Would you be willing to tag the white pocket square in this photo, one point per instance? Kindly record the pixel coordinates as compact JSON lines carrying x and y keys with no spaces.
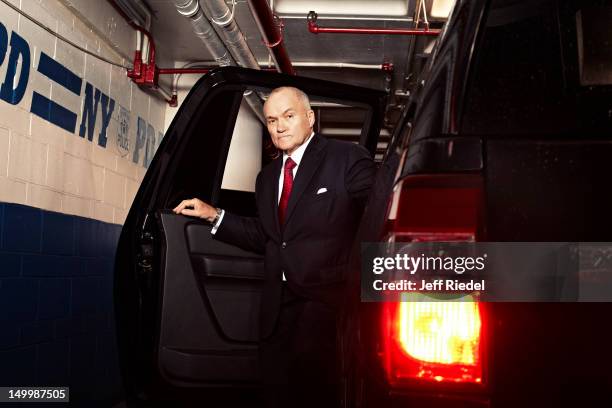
{"x":321,"y":190}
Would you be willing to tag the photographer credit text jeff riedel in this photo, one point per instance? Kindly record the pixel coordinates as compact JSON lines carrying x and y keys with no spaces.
{"x":403,"y":263}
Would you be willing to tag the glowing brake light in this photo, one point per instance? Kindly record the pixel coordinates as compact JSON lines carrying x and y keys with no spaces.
{"x":440,"y":332}
{"x":425,"y":340}
{"x":437,"y":341}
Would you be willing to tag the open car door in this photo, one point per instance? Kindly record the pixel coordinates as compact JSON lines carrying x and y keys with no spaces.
{"x":186,"y":305}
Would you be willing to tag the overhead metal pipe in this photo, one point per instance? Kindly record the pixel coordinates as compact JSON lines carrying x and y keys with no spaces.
{"x":170,"y":71}
{"x":271,"y":34}
{"x":204,"y":31}
{"x":166,"y":71}
{"x":204,"y":70}
{"x":223,"y":18}
{"x":233,"y":39}
{"x":233,"y":49}
{"x":336,"y":65}
{"x":315,"y":29}
{"x":385,"y":66}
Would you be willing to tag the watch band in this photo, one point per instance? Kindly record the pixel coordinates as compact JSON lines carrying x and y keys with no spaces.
{"x":216,"y":219}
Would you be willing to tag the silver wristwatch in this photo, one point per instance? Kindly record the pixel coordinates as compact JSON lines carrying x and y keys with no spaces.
{"x":216,"y":219}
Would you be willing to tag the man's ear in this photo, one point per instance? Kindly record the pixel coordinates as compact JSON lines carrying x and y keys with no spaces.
{"x":311,"y":117}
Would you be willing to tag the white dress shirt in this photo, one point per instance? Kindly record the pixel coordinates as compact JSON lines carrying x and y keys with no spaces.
{"x":296,"y":156}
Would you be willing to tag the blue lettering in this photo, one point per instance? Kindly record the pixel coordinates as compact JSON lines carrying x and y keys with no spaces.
{"x":19,"y":47}
{"x":141,"y":134}
{"x":107,"y":111}
{"x":59,"y":74}
{"x":3,"y":42}
{"x":150,"y":148}
{"x":51,"y":110}
{"x":90,"y":111}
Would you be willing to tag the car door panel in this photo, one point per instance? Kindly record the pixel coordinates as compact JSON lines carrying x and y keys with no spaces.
{"x":197,"y":298}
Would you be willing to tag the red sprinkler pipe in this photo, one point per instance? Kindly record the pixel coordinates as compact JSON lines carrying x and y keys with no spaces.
{"x":264,"y":17}
{"x":144,"y":74}
{"x":315,"y":29}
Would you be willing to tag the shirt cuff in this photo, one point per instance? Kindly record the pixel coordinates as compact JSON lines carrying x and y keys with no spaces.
{"x":218,"y":223}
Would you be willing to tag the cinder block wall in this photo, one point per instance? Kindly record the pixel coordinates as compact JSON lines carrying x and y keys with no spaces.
{"x":76,"y":137}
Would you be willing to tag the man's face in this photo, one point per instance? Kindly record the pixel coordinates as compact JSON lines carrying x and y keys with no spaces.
{"x":288,"y":120}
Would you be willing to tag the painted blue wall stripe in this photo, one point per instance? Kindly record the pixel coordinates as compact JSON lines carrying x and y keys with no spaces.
{"x":57,"y":323}
{"x":59,"y":73}
{"x":53,"y":112}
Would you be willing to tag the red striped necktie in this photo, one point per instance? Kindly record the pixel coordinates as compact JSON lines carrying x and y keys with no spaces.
{"x":287,"y":186}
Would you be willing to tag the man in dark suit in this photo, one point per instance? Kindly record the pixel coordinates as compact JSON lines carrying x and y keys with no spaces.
{"x":309,"y":201}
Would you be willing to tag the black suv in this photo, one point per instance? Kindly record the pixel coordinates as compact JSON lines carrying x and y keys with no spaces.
{"x":505,"y":138}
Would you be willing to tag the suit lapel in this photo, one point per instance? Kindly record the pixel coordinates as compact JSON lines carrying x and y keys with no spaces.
{"x":309,"y":164}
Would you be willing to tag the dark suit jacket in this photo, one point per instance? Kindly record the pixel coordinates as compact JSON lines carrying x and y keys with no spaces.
{"x":313,"y":246}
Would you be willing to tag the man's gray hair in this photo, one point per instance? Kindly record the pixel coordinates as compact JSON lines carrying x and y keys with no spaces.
{"x":298,"y":92}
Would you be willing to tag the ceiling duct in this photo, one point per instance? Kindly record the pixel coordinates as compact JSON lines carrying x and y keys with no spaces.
{"x":204,"y":31}
{"x":231,"y":40}
{"x":223,"y":19}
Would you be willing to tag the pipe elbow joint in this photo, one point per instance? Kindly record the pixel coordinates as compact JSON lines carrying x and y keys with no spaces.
{"x":187,"y":8}
{"x":312,"y":22}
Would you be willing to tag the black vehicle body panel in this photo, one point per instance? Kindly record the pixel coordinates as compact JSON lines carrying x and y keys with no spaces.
{"x":504,"y":87}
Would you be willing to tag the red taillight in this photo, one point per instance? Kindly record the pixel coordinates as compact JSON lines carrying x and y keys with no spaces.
{"x":435,"y":341}
{"x":436,"y":208}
